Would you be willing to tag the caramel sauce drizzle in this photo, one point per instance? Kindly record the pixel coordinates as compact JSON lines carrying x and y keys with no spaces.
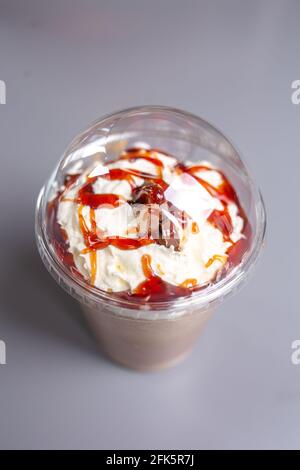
{"x":195,"y":228}
{"x":146,"y":266}
{"x":153,"y":288}
{"x":146,"y":154}
{"x":224,"y":193}
{"x":57,"y":234}
{"x":87,"y":197}
{"x":120,"y":174}
{"x":221,"y":258}
{"x":87,"y":236}
{"x":188,"y":283}
{"x":123,"y":243}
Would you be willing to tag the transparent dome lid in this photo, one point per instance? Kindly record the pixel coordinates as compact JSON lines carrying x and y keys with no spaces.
{"x":194,"y":217}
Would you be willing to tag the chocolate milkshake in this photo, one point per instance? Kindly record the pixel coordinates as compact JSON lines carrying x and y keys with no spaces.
{"x":146,"y":229}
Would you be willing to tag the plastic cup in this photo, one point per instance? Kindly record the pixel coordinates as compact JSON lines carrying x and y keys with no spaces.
{"x":151,"y":335}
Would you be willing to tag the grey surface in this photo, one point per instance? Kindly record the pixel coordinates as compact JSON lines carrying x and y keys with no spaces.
{"x":66,"y":63}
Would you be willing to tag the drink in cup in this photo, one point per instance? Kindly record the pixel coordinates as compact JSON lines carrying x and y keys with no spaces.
{"x":149,"y":220}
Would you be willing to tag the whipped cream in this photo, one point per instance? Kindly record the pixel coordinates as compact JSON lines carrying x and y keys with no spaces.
{"x":201,"y":251}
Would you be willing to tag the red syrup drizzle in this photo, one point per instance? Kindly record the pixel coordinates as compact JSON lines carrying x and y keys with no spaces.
{"x":221,"y":219}
{"x":133,"y":154}
{"x":87,"y":197}
{"x":128,"y":174}
{"x":58,"y":236}
{"x":153,"y":288}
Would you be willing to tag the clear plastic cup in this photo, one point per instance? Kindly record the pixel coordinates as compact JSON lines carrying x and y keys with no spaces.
{"x":155,"y":334}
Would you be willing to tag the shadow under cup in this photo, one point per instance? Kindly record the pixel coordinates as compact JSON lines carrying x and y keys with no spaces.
{"x":155,"y":334}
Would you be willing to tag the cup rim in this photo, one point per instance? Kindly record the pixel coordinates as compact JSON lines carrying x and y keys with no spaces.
{"x":203,"y":298}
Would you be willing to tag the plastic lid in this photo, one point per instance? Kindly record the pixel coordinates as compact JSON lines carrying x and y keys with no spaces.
{"x":190,"y":198}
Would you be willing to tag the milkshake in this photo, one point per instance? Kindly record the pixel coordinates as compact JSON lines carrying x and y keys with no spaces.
{"x":150,"y":220}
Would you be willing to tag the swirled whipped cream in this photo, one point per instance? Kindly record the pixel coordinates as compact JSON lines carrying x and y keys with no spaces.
{"x":147,"y":217}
